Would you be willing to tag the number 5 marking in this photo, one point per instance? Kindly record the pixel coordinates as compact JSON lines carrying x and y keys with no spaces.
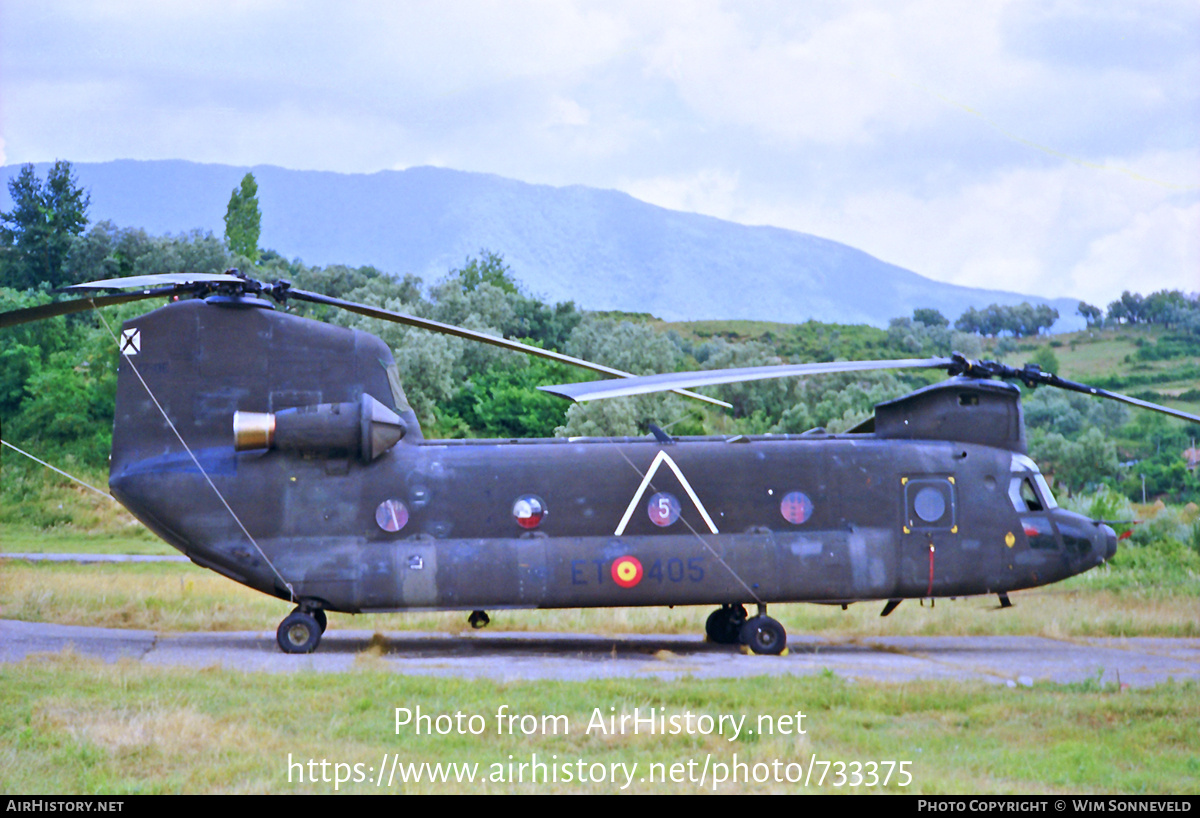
{"x":637,"y":497}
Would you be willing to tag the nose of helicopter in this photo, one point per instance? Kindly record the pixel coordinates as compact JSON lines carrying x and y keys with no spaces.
{"x":1110,"y":537}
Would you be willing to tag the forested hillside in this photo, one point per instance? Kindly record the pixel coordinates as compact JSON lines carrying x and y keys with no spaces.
{"x":57,"y":377}
{"x":603,"y":249}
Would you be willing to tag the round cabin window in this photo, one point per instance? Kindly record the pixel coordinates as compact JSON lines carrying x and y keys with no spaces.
{"x":391,"y":515}
{"x":663,"y":509}
{"x":929,"y":504}
{"x":795,"y":507}
{"x":529,"y":511}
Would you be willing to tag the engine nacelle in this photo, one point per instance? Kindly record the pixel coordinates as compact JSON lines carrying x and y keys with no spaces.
{"x":364,"y":429}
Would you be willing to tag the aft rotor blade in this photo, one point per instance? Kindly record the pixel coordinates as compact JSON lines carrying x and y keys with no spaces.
{"x":151,"y":286}
{"x":56,"y":308}
{"x":594,"y":390}
{"x":158,"y":280}
{"x":471,"y":335}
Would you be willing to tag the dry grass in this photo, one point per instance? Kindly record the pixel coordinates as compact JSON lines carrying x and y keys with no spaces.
{"x":171,"y":597}
{"x":173,"y":731}
{"x":1152,"y":590}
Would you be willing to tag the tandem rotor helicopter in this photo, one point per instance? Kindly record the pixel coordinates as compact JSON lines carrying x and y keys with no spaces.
{"x":281,"y":453}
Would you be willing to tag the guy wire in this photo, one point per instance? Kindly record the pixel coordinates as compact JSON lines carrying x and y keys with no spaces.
{"x":695,"y":533}
{"x":221,"y":497}
{"x":60,"y":471}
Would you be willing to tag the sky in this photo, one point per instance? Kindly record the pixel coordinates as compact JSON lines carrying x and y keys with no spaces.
{"x":1051,"y":148}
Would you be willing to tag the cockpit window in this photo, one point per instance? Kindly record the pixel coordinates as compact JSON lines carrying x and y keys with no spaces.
{"x":1044,"y":491}
{"x":1030,"y":492}
{"x":1017,"y":492}
{"x":1021,"y":462}
{"x":398,"y":397}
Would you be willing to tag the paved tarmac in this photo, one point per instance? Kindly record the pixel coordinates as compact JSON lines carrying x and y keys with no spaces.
{"x":1011,"y":660}
{"x":89,"y":558}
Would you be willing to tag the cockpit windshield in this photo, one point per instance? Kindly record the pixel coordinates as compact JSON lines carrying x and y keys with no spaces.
{"x":1028,"y":489}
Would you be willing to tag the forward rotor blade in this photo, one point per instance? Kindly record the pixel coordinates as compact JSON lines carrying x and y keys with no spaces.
{"x":42,"y":311}
{"x":471,"y":335}
{"x":1053,"y":380}
{"x":1032,"y":376}
{"x":594,"y":390}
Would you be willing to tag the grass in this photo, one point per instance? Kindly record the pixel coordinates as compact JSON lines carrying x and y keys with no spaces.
{"x":71,"y":725}
{"x":66,"y":539}
{"x":1151,"y":589}
{"x":42,"y":512}
{"x":808,"y":341}
{"x":1100,"y":356}
{"x":1087,"y":356}
{"x":174,"y":597}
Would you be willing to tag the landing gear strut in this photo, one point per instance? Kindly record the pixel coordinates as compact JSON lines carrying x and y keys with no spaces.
{"x":724,"y":625}
{"x":728,"y":625}
{"x":300,"y":631}
{"x":764,"y":635}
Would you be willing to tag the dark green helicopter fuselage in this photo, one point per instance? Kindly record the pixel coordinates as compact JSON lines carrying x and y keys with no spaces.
{"x":934,"y":498}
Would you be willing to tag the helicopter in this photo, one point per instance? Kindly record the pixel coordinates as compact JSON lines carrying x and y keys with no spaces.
{"x":281,"y":453}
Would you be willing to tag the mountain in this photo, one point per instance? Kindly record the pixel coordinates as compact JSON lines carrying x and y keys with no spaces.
{"x":601,"y":248}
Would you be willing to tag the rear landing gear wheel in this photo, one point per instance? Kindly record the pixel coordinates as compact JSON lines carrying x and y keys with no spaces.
{"x":724,"y":625}
{"x":322,"y":620}
{"x":478,"y":619}
{"x":764,"y":635}
{"x":299,"y":632}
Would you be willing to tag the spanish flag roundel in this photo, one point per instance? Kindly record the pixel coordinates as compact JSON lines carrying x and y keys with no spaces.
{"x":627,"y":571}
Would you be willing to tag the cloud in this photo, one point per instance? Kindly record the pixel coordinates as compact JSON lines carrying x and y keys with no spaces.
{"x":1009,"y":144}
{"x":710,"y":191}
{"x":567,"y":112}
{"x":1065,"y":230}
{"x":1161,"y":246}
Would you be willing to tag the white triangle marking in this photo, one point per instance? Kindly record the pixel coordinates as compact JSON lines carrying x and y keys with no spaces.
{"x":658,"y":460}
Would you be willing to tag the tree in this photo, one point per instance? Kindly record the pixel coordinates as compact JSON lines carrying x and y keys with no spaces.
{"x":969,"y":321}
{"x":1126,"y":311}
{"x":1046,"y":359}
{"x":38,"y":231}
{"x":1092,"y":315}
{"x":1091,"y":458}
{"x":488,"y":268}
{"x":930,"y":317}
{"x":243,"y":221}
{"x":1164,"y":307}
{"x":1020,"y":320}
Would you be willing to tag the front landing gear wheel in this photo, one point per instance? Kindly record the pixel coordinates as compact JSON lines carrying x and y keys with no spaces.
{"x":724,"y":625}
{"x":478,"y":619}
{"x":299,"y":632}
{"x":764,"y":635}
{"x":322,"y":620}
